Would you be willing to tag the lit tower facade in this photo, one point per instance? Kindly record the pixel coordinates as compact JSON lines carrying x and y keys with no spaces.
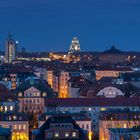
{"x":10,"y":49}
{"x":75,"y":46}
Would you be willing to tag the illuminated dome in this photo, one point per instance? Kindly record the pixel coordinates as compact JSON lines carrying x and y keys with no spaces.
{"x":110,"y":92}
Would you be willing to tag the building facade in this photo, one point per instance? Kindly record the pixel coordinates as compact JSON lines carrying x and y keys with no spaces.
{"x":10,"y":49}
{"x":17,"y":123}
{"x":111,"y":120}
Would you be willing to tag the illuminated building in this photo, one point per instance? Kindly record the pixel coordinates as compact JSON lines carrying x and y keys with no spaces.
{"x":49,"y":77}
{"x":125,"y":133}
{"x":92,"y":107}
{"x":112,"y":120}
{"x":8,"y":107}
{"x":55,"y":84}
{"x":75,"y":46}
{"x":12,"y":76}
{"x":10,"y":49}
{"x":59,"y":127}
{"x":63,"y":82}
{"x":83,"y":121}
{"x":104,"y":71}
{"x":18,"y":124}
{"x":31,"y":95}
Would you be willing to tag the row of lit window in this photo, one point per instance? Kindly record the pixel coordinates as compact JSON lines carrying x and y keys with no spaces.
{"x":33,"y":107}
{"x":14,"y":118}
{"x":125,"y":117}
{"x":57,"y":135}
{"x":32,"y":94}
{"x":120,"y":125}
{"x":6,"y":108}
{"x":33,"y":101}
{"x":23,"y":127}
{"x":83,"y":109}
{"x":84,"y":126}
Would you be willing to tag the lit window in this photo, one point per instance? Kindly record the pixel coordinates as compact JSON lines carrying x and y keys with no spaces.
{"x":15,"y":126}
{"x":66,"y":134}
{"x":44,"y":94}
{"x":5,"y":108}
{"x":20,"y":94}
{"x":10,"y":118}
{"x":56,"y":134}
{"x":11,"y":108}
{"x":19,"y":127}
{"x":1,"y":108}
{"x":73,"y":134}
{"x":89,"y":109}
{"x":124,"y":125}
{"x":103,"y":109}
{"x":37,"y":94}
{"x":24,"y":127}
{"x":14,"y":117}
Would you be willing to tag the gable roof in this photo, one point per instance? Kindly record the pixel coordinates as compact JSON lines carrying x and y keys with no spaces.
{"x":41,"y":85}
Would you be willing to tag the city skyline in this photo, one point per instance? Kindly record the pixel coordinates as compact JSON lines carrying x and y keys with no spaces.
{"x":51,"y":25}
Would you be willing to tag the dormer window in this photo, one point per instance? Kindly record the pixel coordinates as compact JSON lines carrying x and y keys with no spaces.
{"x":44,"y":94}
{"x":56,"y":134}
{"x":20,"y":94}
{"x":37,"y":94}
{"x":14,"y":117}
{"x":67,"y":134}
{"x":73,"y":134}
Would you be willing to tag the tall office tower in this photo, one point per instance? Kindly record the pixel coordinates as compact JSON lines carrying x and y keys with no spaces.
{"x":10,"y":49}
{"x":75,"y":46}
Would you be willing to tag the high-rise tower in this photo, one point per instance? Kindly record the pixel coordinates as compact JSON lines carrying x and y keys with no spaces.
{"x":75,"y":46}
{"x":10,"y":49}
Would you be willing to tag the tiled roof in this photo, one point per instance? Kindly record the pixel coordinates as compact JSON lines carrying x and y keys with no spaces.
{"x":41,"y":85}
{"x":112,"y":68}
{"x":5,"y":94}
{"x":88,"y":102}
{"x":121,"y":115}
{"x":59,"y":119}
{"x":79,"y":81}
{"x":125,"y":130}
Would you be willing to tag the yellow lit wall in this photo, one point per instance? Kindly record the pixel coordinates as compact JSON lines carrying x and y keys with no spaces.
{"x":63,"y":84}
{"x":49,"y":77}
{"x":19,"y":136}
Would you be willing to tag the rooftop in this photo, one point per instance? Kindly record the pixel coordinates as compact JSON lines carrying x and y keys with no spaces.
{"x":120,"y":116}
{"x":125,"y":130}
{"x":87,"y":102}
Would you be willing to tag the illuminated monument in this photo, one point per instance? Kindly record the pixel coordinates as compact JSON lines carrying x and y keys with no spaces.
{"x":75,"y":46}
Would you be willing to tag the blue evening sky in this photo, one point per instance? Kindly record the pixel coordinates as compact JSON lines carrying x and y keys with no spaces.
{"x":49,"y":25}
